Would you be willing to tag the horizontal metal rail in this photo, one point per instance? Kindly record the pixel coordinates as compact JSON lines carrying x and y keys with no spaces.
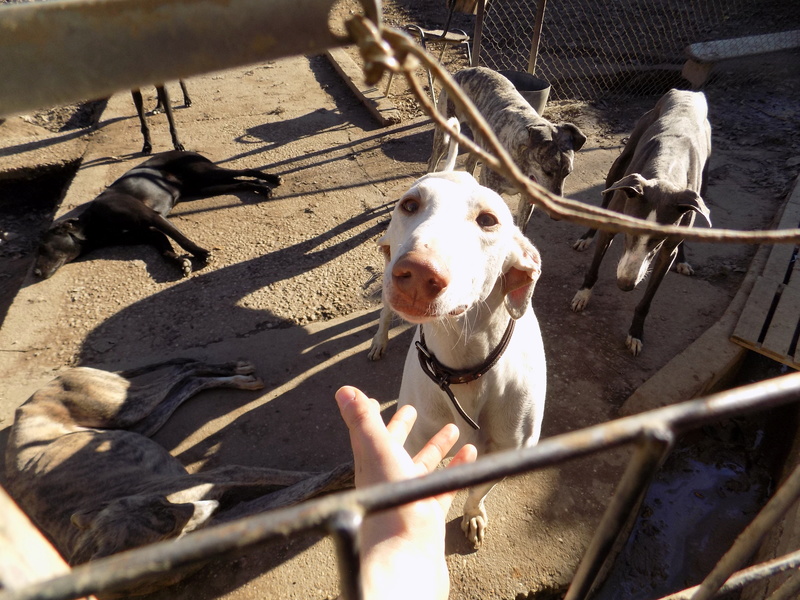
{"x":342,"y":512}
{"x":64,"y":51}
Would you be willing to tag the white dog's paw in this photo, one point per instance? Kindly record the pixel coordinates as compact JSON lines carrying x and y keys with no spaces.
{"x":582,"y":244}
{"x":684,"y":268}
{"x":634,"y":345}
{"x":473,"y":524}
{"x":376,"y":350}
{"x":581,"y":299}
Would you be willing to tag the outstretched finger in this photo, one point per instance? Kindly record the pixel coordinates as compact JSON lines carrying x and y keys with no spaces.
{"x":466,"y":455}
{"x":437,"y":447}
{"x":361,"y":414}
{"x":401,"y":423}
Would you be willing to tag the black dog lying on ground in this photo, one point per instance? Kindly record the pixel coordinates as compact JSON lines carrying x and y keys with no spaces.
{"x":133,"y":209}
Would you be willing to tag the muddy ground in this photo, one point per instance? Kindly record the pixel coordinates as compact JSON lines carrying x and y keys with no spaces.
{"x":295,"y":288}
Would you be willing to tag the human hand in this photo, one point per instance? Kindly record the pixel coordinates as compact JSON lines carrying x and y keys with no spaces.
{"x":402,"y":550}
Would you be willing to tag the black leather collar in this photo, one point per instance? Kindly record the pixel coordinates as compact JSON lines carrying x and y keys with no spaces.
{"x":444,"y":376}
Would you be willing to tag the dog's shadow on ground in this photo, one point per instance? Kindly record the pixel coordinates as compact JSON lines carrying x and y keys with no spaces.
{"x":292,"y":424}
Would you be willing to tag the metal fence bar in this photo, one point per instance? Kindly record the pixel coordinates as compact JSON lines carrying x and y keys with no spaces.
{"x":59,"y":52}
{"x":344,"y":526}
{"x":621,"y":511}
{"x":116,"y":571}
{"x":747,"y":576}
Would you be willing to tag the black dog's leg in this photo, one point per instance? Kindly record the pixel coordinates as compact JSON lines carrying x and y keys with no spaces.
{"x":160,"y":242}
{"x":147,"y":148}
{"x":187,"y":102}
{"x":237,"y":186}
{"x":208,"y":179}
{"x":662,"y":264}
{"x":164,"y":226}
{"x":268,"y":177}
{"x":163,"y":97}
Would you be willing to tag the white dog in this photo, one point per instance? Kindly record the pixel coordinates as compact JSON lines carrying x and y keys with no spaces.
{"x":458,"y":266}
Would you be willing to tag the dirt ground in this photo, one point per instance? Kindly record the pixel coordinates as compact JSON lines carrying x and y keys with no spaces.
{"x":295,"y":288}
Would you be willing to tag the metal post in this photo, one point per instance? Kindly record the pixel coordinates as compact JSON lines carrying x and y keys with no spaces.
{"x":477,"y":36}
{"x":537,"y":36}
{"x":59,"y":52}
{"x":617,"y":521}
{"x":344,"y":526}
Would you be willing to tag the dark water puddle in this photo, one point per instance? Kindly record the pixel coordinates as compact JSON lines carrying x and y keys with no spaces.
{"x":710,"y":487}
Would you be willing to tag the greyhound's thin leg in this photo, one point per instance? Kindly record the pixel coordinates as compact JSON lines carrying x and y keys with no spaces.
{"x":583,"y":242}
{"x":185,"y":388}
{"x":187,"y":101}
{"x":662,"y":264}
{"x":334,"y":479}
{"x":581,"y":298}
{"x":147,"y":148}
{"x":163,"y":96}
{"x":524,"y":212}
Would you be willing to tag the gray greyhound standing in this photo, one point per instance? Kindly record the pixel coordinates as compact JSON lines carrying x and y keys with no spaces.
{"x":660,"y":176}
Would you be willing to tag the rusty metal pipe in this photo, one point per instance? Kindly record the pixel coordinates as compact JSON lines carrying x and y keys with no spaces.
{"x":620,"y":514}
{"x":740,"y":579}
{"x":71,"y":50}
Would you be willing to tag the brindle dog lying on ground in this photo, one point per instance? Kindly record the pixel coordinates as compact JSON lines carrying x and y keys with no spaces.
{"x":80,"y":462}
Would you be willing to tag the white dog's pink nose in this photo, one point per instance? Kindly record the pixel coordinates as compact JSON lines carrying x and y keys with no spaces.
{"x":419,"y":280}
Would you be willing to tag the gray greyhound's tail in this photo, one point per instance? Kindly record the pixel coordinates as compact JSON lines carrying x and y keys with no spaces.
{"x":452,"y":144}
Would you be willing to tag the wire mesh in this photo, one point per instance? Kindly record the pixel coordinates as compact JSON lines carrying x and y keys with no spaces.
{"x":620,"y":47}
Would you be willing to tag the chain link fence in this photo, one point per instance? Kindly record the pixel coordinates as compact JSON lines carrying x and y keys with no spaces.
{"x":603,"y":48}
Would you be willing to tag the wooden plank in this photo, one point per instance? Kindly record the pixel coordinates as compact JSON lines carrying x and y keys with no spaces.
{"x":778,"y":262}
{"x":370,"y":96}
{"x":751,"y":322}
{"x":783,"y":325}
{"x":781,"y":255}
{"x":743,"y":46}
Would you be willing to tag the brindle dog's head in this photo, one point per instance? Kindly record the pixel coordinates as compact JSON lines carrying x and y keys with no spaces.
{"x":548,"y":154}
{"x":134,"y":521}
{"x":544,"y":152}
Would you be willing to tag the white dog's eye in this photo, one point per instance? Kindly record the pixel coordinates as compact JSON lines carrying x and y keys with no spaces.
{"x":486,"y":220}
{"x":410,"y":205}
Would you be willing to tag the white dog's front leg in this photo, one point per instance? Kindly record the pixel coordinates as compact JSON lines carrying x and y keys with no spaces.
{"x":381,"y":339}
{"x":475,"y":519}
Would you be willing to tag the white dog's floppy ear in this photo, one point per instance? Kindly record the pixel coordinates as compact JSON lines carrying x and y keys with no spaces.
{"x":525,"y":266}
